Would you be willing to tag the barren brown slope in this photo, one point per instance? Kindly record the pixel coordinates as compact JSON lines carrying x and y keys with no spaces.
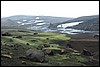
{"x":87,"y":41}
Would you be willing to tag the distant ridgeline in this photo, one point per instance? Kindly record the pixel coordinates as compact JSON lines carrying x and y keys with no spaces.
{"x":23,"y":21}
{"x":89,"y":23}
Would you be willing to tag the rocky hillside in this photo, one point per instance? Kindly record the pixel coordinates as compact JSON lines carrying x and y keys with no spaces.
{"x":90,"y":23}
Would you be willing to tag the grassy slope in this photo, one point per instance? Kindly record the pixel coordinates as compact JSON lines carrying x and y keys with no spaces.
{"x":61,"y":60}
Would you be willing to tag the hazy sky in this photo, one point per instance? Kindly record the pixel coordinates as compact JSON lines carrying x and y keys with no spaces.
{"x":50,"y":8}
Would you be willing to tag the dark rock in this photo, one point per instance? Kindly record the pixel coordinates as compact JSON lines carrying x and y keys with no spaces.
{"x":87,"y":53}
{"x":27,"y":44}
{"x":56,"y":51}
{"x":35,"y":33}
{"x":96,"y":36}
{"x":17,"y":37}
{"x":35,"y":55}
{"x":69,"y":45}
{"x":47,"y":38}
{"x":33,"y":40}
{"x":6,"y":34}
{"x":51,"y":51}
{"x":40,"y":47}
{"x":46,"y":45}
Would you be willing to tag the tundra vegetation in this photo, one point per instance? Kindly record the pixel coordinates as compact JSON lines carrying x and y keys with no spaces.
{"x":36,"y":48}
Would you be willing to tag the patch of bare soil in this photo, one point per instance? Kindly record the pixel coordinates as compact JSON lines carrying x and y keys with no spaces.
{"x":86,"y":41}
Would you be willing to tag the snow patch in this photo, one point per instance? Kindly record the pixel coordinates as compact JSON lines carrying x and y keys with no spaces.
{"x":22,"y":24}
{"x":69,"y":24}
{"x":24,"y":20}
{"x":38,"y":21}
{"x":37,"y":18}
{"x":19,"y":22}
{"x":40,"y":24}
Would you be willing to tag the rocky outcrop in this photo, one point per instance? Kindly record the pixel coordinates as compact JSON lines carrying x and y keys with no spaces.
{"x":6,"y":34}
{"x":35,"y":55}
